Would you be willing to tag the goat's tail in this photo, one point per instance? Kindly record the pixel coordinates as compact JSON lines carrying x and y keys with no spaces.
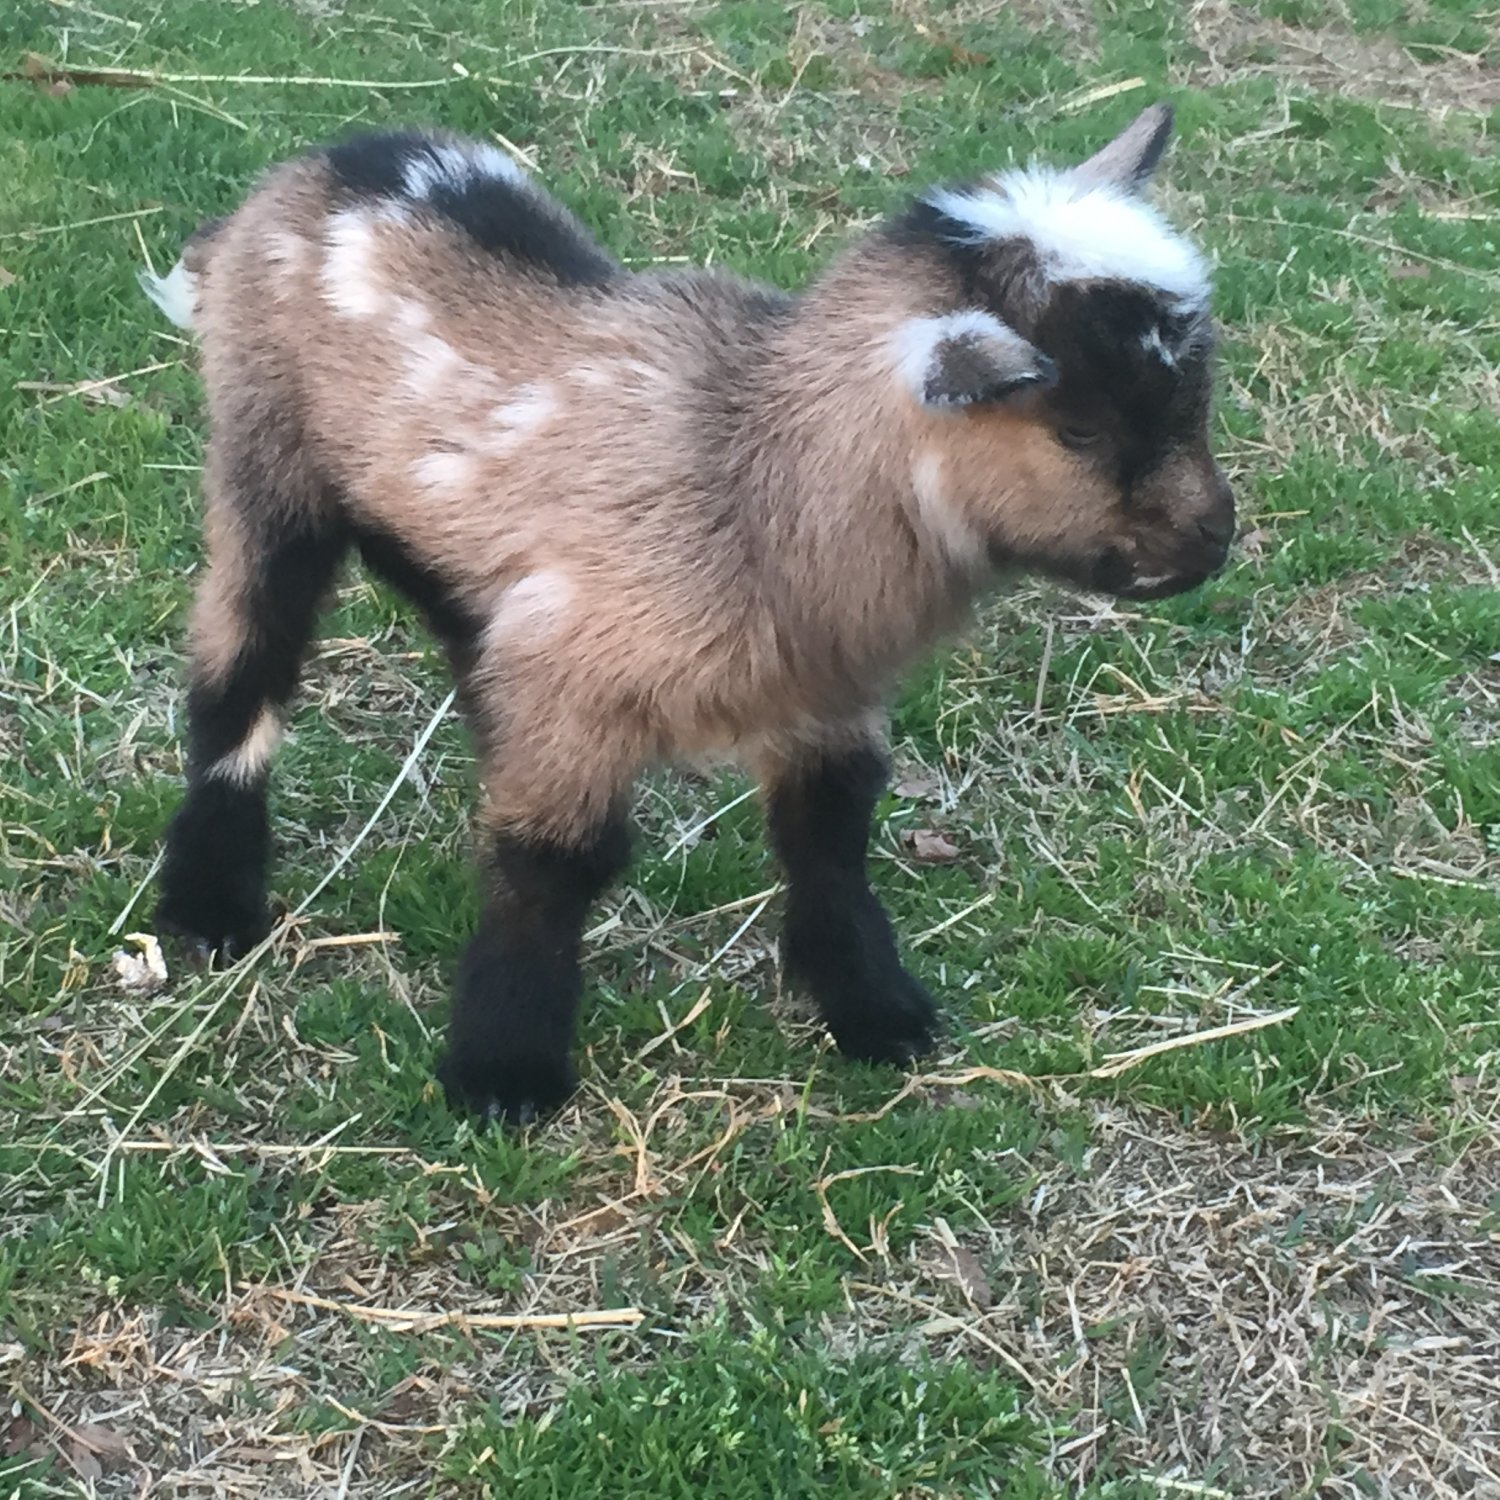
{"x":176,"y":293}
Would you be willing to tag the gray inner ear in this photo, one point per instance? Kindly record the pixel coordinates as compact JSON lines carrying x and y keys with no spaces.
{"x":965,"y":371}
{"x":1130,"y":159}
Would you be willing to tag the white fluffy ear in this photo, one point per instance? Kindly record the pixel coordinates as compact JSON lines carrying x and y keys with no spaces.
{"x":1129,"y":160}
{"x":963,"y":358}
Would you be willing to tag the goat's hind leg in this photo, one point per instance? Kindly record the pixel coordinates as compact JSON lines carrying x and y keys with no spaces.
{"x":252,"y":620}
{"x":837,"y":940}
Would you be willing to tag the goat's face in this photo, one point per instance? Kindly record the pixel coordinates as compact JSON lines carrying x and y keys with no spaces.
{"x":1066,"y":399}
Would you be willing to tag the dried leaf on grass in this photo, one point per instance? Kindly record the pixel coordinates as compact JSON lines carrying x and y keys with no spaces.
{"x":929,"y":847}
{"x":916,"y":783}
{"x":19,"y":1435}
{"x":963,"y":1267}
{"x":106,"y":1442}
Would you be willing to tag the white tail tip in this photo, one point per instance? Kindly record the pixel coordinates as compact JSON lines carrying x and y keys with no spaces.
{"x":176,"y":293}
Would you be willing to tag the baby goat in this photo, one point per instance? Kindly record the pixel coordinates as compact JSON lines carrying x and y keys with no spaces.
{"x":664,"y":515}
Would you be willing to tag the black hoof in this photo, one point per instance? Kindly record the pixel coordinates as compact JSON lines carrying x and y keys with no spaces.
{"x":213,"y":879}
{"x":212,"y":925}
{"x":898,"y":1027}
{"x":509,"y":1091}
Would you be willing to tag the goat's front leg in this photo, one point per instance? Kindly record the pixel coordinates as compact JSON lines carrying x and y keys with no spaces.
{"x":556,"y":834}
{"x":837,"y":941}
{"x":510,"y":1033}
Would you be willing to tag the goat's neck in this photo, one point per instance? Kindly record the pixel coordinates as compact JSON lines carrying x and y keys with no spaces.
{"x":866,"y":581}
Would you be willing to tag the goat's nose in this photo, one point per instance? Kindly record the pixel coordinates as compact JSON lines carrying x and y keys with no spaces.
{"x":1217,"y":523}
{"x":1217,"y":529}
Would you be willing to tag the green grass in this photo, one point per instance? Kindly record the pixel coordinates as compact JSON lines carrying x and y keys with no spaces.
{"x":1281,"y":792}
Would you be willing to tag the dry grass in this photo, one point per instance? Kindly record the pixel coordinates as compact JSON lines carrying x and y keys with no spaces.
{"x":1309,"y":1316}
{"x":1213,"y":1304}
{"x":1238,"y":43}
{"x":1313,"y":1317}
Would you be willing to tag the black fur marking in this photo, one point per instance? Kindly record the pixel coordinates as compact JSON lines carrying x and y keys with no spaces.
{"x":1110,"y":381}
{"x":218,"y":845}
{"x":520,"y":224}
{"x":282,"y":609}
{"x":925,"y":226}
{"x":837,"y":939}
{"x":213,"y":878}
{"x":504,"y":218}
{"x":450,"y":619}
{"x":374,"y":165}
{"x":511,"y":1028}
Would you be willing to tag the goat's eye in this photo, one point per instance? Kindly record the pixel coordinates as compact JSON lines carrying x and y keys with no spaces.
{"x":1071,"y":436}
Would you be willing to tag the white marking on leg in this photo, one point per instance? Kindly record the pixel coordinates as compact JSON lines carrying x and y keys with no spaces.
{"x":248,"y":760}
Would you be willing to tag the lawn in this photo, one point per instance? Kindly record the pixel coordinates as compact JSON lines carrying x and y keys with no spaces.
{"x":246,"y":1249}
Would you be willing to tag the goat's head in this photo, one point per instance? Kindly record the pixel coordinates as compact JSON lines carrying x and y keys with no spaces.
{"x":1063,"y":376}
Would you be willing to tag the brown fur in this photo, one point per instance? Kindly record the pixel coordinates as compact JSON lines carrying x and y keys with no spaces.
{"x":695,"y":622}
{"x":674,"y":515}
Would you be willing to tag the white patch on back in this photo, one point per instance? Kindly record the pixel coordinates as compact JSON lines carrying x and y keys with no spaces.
{"x":431,"y":364}
{"x":249,"y":759}
{"x":444,"y":471}
{"x":619,"y":375}
{"x":412,"y":316}
{"x":350,"y":276}
{"x":513,"y":421}
{"x":434,"y":370}
{"x":1081,"y":232}
{"x":176,"y":293}
{"x":959,"y":541}
{"x":644,"y":371}
{"x":287,"y":252}
{"x":532,"y":606}
{"x":455,"y":165}
{"x":596,"y":377}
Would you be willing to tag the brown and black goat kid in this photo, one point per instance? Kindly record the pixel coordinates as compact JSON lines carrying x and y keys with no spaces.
{"x":664,"y":515}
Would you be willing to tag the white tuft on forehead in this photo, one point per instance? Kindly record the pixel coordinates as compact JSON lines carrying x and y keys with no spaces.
{"x":1081,"y":232}
{"x":457,"y":165}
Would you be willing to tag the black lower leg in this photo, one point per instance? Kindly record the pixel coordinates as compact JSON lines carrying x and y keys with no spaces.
{"x":218,"y":844}
{"x":511,"y":1029}
{"x":837,"y":940}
